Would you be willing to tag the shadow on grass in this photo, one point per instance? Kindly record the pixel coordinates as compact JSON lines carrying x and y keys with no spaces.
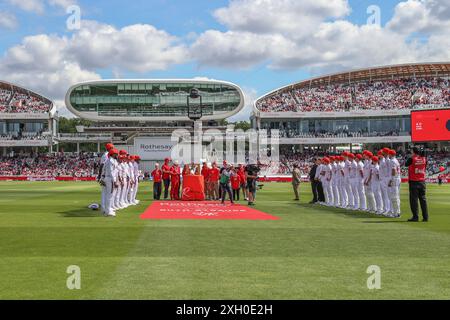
{"x":81,"y":213}
{"x":347,"y":213}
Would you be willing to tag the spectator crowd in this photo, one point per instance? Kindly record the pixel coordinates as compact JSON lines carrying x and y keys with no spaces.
{"x":18,"y":102}
{"x":396,"y":94}
{"x":57,"y":165}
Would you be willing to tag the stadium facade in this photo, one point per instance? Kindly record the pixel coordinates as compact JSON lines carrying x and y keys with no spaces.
{"x":28,"y":120}
{"x":140,"y":115}
{"x":366,"y":106}
{"x":153,"y":100}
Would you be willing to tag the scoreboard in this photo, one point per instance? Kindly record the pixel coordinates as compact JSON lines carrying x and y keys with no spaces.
{"x":430,"y":125}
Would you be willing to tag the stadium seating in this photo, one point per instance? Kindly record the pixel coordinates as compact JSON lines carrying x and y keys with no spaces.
{"x":59,"y":165}
{"x":18,"y":102}
{"x":381,"y":95}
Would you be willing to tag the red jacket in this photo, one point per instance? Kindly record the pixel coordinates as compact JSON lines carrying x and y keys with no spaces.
{"x":214,"y":174}
{"x":175,"y":172}
{"x":157,"y":175}
{"x":165,"y":167}
{"x":235,"y":182}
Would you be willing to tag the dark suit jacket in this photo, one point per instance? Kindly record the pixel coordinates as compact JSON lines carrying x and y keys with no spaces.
{"x":312,"y":172}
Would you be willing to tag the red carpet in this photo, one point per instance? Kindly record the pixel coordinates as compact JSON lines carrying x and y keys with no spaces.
{"x":178,"y":210}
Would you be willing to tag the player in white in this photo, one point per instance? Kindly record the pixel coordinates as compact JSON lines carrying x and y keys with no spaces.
{"x":100,"y":177}
{"x":110,"y":179}
{"x":352,"y":178}
{"x":371,"y":207}
{"x":384,"y":181}
{"x":130,"y":191}
{"x":394,"y":184}
{"x":117,"y":192}
{"x":342,"y":189}
{"x":359,"y":183}
{"x":136,"y":179}
{"x":374,"y":181}
{"x":126,"y":182}
{"x":347,"y":184}
{"x":335,"y":171}
{"x":326,"y":182}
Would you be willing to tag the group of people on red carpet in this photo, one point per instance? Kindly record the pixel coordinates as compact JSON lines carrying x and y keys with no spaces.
{"x":218,"y":182}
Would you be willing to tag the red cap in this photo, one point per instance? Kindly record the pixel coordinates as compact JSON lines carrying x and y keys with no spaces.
{"x":351,"y":155}
{"x":109,"y":146}
{"x":166,"y":159}
{"x":123,"y":152}
{"x":385,"y":150}
{"x":326,"y":160}
{"x":380,"y":153}
{"x":359,"y":156}
{"x":137,"y":158}
{"x":392,"y":153}
{"x":332,"y":158}
{"x":113,"y":151}
{"x":375,"y":159}
{"x":341,"y":158}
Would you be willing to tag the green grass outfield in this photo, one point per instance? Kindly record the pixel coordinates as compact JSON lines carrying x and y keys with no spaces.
{"x":311,"y":253}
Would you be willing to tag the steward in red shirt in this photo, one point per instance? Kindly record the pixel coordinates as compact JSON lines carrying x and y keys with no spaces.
{"x":175,"y":177}
{"x":417,"y":167}
{"x":157,"y":181}
{"x":166,"y":177}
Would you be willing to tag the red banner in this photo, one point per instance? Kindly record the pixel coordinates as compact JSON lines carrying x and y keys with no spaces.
{"x":193,"y":188}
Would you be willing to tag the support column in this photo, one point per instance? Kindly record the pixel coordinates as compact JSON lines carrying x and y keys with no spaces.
{"x":98,"y":147}
{"x":78,"y":147}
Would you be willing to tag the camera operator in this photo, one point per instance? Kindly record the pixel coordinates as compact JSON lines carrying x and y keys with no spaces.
{"x":417,"y":166}
{"x":251,"y":174}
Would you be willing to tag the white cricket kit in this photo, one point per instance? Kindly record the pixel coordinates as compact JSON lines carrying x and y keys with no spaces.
{"x":395,"y":183}
{"x":354,"y":183}
{"x":360,"y":185}
{"x":326,"y":183}
{"x":125,"y":177}
{"x":385,"y":177}
{"x":136,"y":182}
{"x":368,"y":187}
{"x":130,"y":190}
{"x":103,"y":160}
{"x":375,"y":184}
{"x":110,"y":178}
{"x":118,"y":190}
{"x":348,"y":188}
{"x":342,"y":189}
{"x":335,"y":183}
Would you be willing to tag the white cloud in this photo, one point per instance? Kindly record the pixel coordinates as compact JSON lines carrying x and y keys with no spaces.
{"x":139,"y":48}
{"x":50,"y":64}
{"x":425,"y":16}
{"x":291,"y":17}
{"x":62,"y":3}
{"x":297,"y":34}
{"x":29,"y":5}
{"x":7,"y":20}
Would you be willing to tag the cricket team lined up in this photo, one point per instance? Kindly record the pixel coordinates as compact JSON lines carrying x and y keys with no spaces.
{"x":362,"y":182}
{"x":119,"y":177}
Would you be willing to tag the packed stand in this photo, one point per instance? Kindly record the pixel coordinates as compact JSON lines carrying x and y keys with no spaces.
{"x":58,"y":165}
{"x":380,"y":95}
{"x":18,"y":102}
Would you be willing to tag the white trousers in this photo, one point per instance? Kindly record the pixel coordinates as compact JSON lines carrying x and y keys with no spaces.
{"x":123,"y":194}
{"x":384,"y":186}
{"x":349,"y":191}
{"x":376,"y":189}
{"x":116,"y":196}
{"x":328,"y":191}
{"x":343,"y":194}
{"x":335,"y":187}
{"x":394,"y":194}
{"x":135,"y":190}
{"x":359,"y":193}
{"x":371,"y":205}
{"x":109,"y":192}
{"x":103,"y":206}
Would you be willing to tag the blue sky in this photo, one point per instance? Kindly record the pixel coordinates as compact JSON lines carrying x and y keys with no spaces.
{"x":333,"y":37}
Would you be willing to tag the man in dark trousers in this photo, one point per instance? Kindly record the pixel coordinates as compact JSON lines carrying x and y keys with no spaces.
{"x":314,"y":183}
{"x":417,"y":167}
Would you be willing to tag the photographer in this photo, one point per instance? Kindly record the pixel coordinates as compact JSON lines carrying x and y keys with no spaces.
{"x":417,"y":166}
{"x":251,"y":174}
